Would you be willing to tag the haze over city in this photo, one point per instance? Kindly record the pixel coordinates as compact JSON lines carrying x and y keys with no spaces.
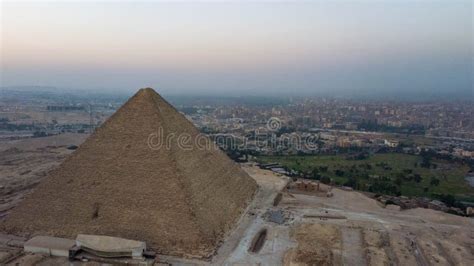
{"x":368,"y":48}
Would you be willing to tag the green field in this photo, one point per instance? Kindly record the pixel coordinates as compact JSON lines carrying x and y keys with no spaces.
{"x":390,"y":173}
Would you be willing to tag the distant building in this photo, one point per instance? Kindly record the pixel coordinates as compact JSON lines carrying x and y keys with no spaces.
{"x":64,"y":108}
{"x":391,"y":143}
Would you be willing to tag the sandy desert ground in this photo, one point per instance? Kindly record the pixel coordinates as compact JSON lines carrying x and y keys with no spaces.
{"x":23,"y":163}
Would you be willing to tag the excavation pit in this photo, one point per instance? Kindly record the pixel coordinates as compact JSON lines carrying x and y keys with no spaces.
{"x":258,"y":241}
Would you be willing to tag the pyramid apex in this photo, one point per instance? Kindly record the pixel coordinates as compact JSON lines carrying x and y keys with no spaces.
{"x":146,"y":93}
{"x":147,"y":89}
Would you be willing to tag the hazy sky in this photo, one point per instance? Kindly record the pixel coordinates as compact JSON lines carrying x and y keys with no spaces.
{"x":248,"y":47}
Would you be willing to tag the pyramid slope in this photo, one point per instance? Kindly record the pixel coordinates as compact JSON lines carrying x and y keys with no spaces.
{"x":181,"y":202}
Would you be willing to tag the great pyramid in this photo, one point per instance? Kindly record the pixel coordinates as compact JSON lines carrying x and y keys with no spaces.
{"x":180,"y":201}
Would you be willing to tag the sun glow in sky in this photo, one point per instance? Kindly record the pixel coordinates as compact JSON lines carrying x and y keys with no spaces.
{"x":300,"y":46}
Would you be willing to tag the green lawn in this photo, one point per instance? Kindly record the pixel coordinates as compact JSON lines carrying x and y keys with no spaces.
{"x":385,"y":169}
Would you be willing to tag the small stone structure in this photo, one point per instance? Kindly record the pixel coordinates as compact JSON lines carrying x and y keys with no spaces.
{"x":107,"y":246}
{"x":53,"y":246}
{"x":307,"y":185}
